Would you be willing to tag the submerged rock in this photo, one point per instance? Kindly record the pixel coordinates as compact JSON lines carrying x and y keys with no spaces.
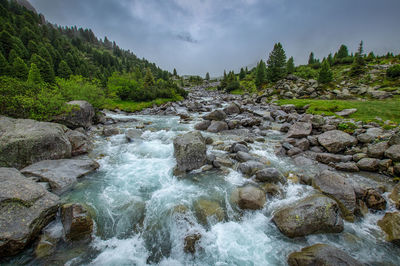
{"x":249,"y":197}
{"x":206,"y":210}
{"x":336,"y":141}
{"x":390,"y":224}
{"x":190,"y":151}
{"x":190,"y":243}
{"x":77,"y":222}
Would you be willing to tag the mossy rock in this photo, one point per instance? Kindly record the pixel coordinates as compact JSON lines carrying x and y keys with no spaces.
{"x":390,"y":224}
{"x":206,"y":209}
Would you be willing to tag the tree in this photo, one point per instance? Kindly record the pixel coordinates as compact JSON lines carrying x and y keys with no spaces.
{"x":34,"y":75}
{"x":261,"y":75}
{"x":63,"y":70}
{"x":46,"y":70}
{"x":343,"y":52}
{"x":311,"y":59}
{"x":175,"y":73}
{"x":358,"y":66}
{"x":371,"y":56}
{"x":290,"y":66}
{"x":242,"y":74}
{"x":148,"y":79}
{"x":5,"y":42}
{"x":19,"y":69}
{"x":325,"y":74}
{"x":330,"y":59}
{"x":207,"y":76}
{"x":224,"y":81}
{"x":276,"y":63}
{"x":4,"y":65}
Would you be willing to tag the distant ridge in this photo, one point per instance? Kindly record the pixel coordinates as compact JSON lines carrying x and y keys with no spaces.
{"x":27,"y":5}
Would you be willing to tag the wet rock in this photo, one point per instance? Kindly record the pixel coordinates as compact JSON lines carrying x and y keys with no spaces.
{"x":61,"y":174}
{"x":45,"y":247}
{"x":209,"y":210}
{"x":359,"y":156}
{"x":190,"y":242}
{"x":77,"y":222}
{"x":249,"y":168}
{"x":347,"y":167}
{"x":244,"y":156}
{"x":203,"y":125}
{"x":337,"y":187}
{"x":336,"y":141}
{"x":316,"y":214}
{"x":249,"y":197}
{"x":80,"y":143}
{"x":26,"y":208}
{"x":217,"y":115}
{"x":368,"y":164}
{"x":209,"y":141}
{"x":333,"y":158}
{"x":395,"y":196}
{"x":232,"y":108}
{"x":233,"y":124}
{"x":299,"y":130}
{"x":393,"y":153}
{"x":217,"y":126}
{"x":374,"y":200}
{"x":236,"y":147}
{"x":222,"y":162}
{"x":133,"y":134}
{"x":25,"y":141}
{"x":110,"y":131}
{"x":190,"y":151}
{"x":81,"y":115}
{"x":293,"y":151}
{"x":303,"y":161}
{"x":269,"y":175}
{"x":390,"y":224}
{"x":302,"y":144}
{"x":321,"y":254}
{"x":377,"y":150}
{"x":285,"y":127}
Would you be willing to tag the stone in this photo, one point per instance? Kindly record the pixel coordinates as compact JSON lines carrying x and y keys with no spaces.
{"x":337,"y":187}
{"x":109,"y":131}
{"x":285,"y":127}
{"x":203,"y":125}
{"x":336,"y":141}
{"x":294,"y":151}
{"x":249,"y":168}
{"x":347,"y":167}
{"x":377,"y":150}
{"x":61,"y":174}
{"x":217,"y":126}
{"x":236,"y":147}
{"x":390,"y":224}
{"x":333,"y":158}
{"x":190,"y":151}
{"x":302,"y":144}
{"x":395,"y":196}
{"x":368,"y":164}
{"x":321,"y":254}
{"x":133,"y":134}
{"x":249,"y":197}
{"x":232,"y":108}
{"x":222,"y":162}
{"x":359,"y":156}
{"x":346,"y":112}
{"x":208,"y":211}
{"x":26,"y":208}
{"x":299,"y":130}
{"x":24,"y":142}
{"x":269,"y":175}
{"x":394,"y":139}
{"x":393,"y":153}
{"x":80,"y":143}
{"x":244,"y":156}
{"x":77,"y":222}
{"x":217,"y":115}
{"x":190,"y":242}
{"x":374,"y":200}
{"x":315,"y":214}
{"x":81,"y":115}
{"x":365,"y":138}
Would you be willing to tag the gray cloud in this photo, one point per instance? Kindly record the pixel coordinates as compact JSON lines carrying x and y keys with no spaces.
{"x":199,"y":36}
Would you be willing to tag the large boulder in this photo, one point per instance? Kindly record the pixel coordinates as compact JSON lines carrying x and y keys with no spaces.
{"x":249,"y":197}
{"x":336,"y":141}
{"x":26,"y":208}
{"x":217,"y":126}
{"x":24,"y":142}
{"x":299,"y":130}
{"x":80,"y":143}
{"x":269,"y":175}
{"x":203,"y":125}
{"x":232,"y":108}
{"x":190,"y":151}
{"x":390,"y":224}
{"x":337,"y":187}
{"x":80,"y":115}
{"x":61,"y":174}
{"x":316,"y":214}
{"x":393,"y":153}
{"x":77,"y":222}
{"x":377,"y":150}
{"x":321,"y":254}
{"x":217,"y":115}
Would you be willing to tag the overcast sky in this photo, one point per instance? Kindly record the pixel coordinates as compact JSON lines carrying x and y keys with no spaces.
{"x":199,"y":36}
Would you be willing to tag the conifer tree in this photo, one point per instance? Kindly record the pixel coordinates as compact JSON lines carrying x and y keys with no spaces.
{"x":290,"y":66}
{"x":330,"y":59}
{"x":242,"y":74}
{"x":343,"y":52}
{"x":276,"y":63}
{"x":261,"y":75}
{"x":358,"y":66}
{"x":5,"y":42}
{"x":12,"y":56}
{"x":311,"y":59}
{"x":63,"y":70}
{"x":148,"y":79}
{"x":46,"y":70}
{"x":175,"y":73}
{"x":4,"y":65}
{"x":207,"y":76}
{"x":19,"y":69}
{"x":325,"y":73}
{"x":34,"y":75}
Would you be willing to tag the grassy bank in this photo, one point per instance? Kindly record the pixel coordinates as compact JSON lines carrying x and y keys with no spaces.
{"x":130,"y":106}
{"x":367,"y":110}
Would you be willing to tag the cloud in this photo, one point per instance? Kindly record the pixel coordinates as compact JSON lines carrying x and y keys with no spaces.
{"x":186,"y":37}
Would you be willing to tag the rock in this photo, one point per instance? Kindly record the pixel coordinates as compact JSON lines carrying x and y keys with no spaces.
{"x":365,"y":138}
{"x":395,"y":196}
{"x":61,"y":174}
{"x":26,"y":208}
{"x":377,"y":150}
{"x":333,"y":158}
{"x":81,"y":115}
{"x":236,"y":147}
{"x":269,"y":175}
{"x":302,"y":144}
{"x":303,"y":161}
{"x":222,"y":162}
{"x":346,"y":112}
{"x":394,"y":139}
{"x":190,"y":151}
{"x":316,"y":214}
{"x":133,"y":134}
{"x":249,"y":197}
{"x":77,"y":222}
{"x":359,"y":156}
{"x":45,"y":247}
{"x":293,"y":151}
{"x":203,"y":125}
{"x":337,"y":187}
{"x":244,"y":156}
{"x":209,"y":210}
{"x":393,"y":153}
{"x":232,"y":108}
{"x":347,"y":167}
{"x":190,"y":243}
{"x":336,"y":141}
{"x":321,"y":254}
{"x":250,"y":167}
{"x":217,"y":126}
{"x":25,"y":141}
{"x":285,"y":127}
{"x":374,"y":200}
{"x":80,"y":143}
{"x":217,"y":115}
{"x":390,"y":224}
{"x":110,"y":131}
{"x":368,"y":164}
{"x":299,"y":130}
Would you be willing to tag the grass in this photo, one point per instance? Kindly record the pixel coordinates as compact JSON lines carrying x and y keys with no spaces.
{"x":367,"y":111}
{"x":238,"y":92}
{"x":129,"y":106}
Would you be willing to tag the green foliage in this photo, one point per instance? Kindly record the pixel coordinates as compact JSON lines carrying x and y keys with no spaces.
{"x":306,"y":72}
{"x":358,"y":66}
{"x":46,"y":71}
{"x":19,"y":69}
{"x":290,"y":68}
{"x":276,"y":63}
{"x":347,"y":127}
{"x":207,"y":76}
{"x":34,"y":75}
{"x":148,"y":79}
{"x":325,"y":74}
{"x":343,"y":52}
{"x":311,"y":59}
{"x":4,"y":65}
{"x":175,"y":73}
{"x":261,"y":74}
{"x":63,"y":70}
{"x":242,"y":74}
{"x":393,"y":71}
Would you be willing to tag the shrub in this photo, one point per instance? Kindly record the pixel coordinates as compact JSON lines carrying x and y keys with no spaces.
{"x":393,"y":71}
{"x":234,"y":85}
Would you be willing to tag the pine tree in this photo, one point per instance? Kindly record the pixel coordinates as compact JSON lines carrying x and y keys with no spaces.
{"x":5,"y":42}
{"x":325,"y":73}
{"x":276,"y":63}
{"x":46,"y":70}
{"x":175,"y":73}
{"x":242,"y":74}
{"x":343,"y":52}
{"x":371,"y":56}
{"x":358,"y":66}
{"x":207,"y":76}
{"x":5,"y":68}
{"x":224,"y":81}
{"x":34,"y":75}
{"x":311,"y":59}
{"x":261,"y":75}
{"x":19,"y":69}
{"x":290,"y":66}
{"x":63,"y":70}
{"x":148,"y":79}
{"x":12,"y":56}
{"x":330,"y":59}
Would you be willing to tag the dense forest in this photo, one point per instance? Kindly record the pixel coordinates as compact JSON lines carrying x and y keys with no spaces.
{"x":43,"y":66}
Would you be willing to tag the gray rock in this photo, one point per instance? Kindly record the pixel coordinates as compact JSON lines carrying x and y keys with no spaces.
{"x":250,"y":167}
{"x":81,"y":115}
{"x":26,"y":208}
{"x":217,"y":115}
{"x":347,"y":167}
{"x":359,"y":156}
{"x":368,"y":164}
{"x":244,"y":156}
{"x":302,"y":144}
{"x":269,"y":175}
{"x":316,"y":214}
{"x":222,"y":162}
{"x":285,"y":127}
{"x":365,"y":138}
{"x":377,"y":150}
{"x":77,"y":222}
{"x":24,"y":141}
{"x":61,"y":174}
{"x":299,"y":130}
{"x":203,"y":125}
{"x":294,"y":151}
{"x":236,"y":147}
{"x":336,"y":141}
{"x":109,"y":131}
{"x":133,"y":134}
{"x":249,"y":197}
{"x":217,"y":126}
{"x":232,"y":108}
{"x":190,"y":151}
{"x":333,"y":158}
{"x":395,"y":139}
{"x":393,"y":153}
{"x":80,"y":143}
{"x":346,"y":112}
{"x":303,"y":161}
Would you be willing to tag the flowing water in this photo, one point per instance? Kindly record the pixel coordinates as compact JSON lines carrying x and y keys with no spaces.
{"x":143,"y":212}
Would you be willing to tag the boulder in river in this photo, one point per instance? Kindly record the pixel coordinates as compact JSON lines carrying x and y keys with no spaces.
{"x":269,"y":175}
{"x":217,"y":126}
{"x":26,"y":208}
{"x":250,"y":167}
{"x":80,"y":143}
{"x":207,"y":210}
{"x":217,"y":115}
{"x":249,"y":197}
{"x":316,"y":214}
{"x":336,"y":141}
{"x":232,"y":108}
{"x":25,"y":141}
{"x":203,"y":125}
{"x":190,"y":151}
{"x":80,"y":115}
{"x":77,"y":222}
{"x":321,"y":254}
{"x":299,"y":130}
{"x":390,"y":224}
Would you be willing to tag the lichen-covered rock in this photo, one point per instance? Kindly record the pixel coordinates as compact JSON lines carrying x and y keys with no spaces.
{"x":390,"y":224}
{"x":374,"y":200}
{"x":248,"y":197}
{"x":24,"y":142}
{"x":347,"y":167}
{"x":80,"y":115}
{"x":26,"y":208}
{"x":299,"y":130}
{"x":377,"y":150}
{"x":336,"y":141}
{"x":77,"y":222}
{"x":190,"y":242}
{"x":190,"y":151}
{"x":395,"y":196}
{"x":316,"y":214}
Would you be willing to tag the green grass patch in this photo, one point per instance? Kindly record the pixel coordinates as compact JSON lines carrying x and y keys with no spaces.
{"x":238,"y":92}
{"x":129,"y":106}
{"x":367,"y":111}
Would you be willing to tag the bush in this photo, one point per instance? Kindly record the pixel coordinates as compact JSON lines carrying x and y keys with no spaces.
{"x":393,"y":71}
{"x":306,"y":72}
{"x":234,"y":85}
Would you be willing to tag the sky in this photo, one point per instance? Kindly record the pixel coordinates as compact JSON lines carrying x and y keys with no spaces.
{"x":199,"y":36}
